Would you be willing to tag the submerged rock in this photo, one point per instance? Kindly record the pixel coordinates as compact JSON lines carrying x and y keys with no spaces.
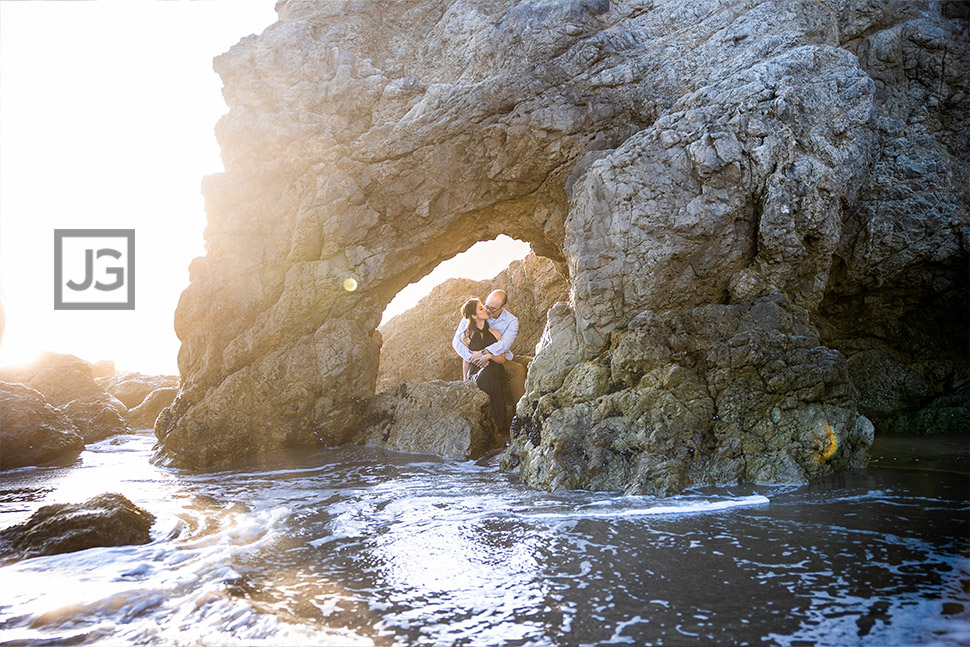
{"x":688,"y":163}
{"x":450,"y":419}
{"x":105,"y":520}
{"x":32,"y":432}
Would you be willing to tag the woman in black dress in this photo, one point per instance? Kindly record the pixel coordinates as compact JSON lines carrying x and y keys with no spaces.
{"x":492,"y":379}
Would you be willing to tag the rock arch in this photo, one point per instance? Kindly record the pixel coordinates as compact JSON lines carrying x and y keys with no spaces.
{"x":691,"y":165}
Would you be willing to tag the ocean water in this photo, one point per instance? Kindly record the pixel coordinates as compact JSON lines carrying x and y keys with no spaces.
{"x":360,"y":546}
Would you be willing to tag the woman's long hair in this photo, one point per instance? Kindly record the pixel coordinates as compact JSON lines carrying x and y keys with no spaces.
{"x":468,"y":311}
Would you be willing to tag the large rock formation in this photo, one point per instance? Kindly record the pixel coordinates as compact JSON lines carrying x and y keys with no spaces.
{"x":417,"y":343}
{"x":32,"y":432}
{"x":762,"y":175}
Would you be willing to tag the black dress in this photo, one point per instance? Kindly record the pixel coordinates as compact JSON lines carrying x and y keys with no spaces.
{"x":492,"y":379}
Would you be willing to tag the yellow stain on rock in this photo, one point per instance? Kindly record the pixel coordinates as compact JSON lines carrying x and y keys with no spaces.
{"x":831,"y":443}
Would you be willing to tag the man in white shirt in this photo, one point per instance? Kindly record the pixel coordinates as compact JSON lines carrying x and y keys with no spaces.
{"x":508,"y":325}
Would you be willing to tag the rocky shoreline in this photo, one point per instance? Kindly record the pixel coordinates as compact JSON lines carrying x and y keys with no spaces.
{"x":52,"y":408}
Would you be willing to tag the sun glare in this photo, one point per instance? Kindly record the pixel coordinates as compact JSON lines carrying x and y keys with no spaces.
{"x":109,"y":111}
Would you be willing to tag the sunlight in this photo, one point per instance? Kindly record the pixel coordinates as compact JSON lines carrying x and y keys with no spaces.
{"x":109,"y":111}
{"x":481,"y":261}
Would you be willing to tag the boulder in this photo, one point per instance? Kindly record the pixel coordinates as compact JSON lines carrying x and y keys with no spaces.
{"x":60,"y":378}
{"x":32,"y":432}
{"x":143,"y":416}
{"x":97,"y":417}
{"x":449,"y":419}
{"x":678,"y":159}
{"x":105,"y":520}
{"x":675,"y":403}
{"x":132,"y":388}
{"x":533,"y":285}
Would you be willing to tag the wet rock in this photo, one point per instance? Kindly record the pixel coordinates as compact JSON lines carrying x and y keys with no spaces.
{"x":105,"y":520}
{"x":133,"y":388}
{"x":143,"y":416}
{"x":533,"y":285}
{"x":32,"y":432}
{"x":450,"y":419}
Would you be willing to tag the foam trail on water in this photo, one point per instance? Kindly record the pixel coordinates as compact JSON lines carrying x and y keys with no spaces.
{"x":686,"y":508}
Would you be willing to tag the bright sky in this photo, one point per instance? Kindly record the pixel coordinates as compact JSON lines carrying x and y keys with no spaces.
{"x":107,"y":110}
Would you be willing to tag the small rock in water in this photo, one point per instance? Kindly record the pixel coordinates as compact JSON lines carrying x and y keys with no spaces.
{"x":105,"y":520}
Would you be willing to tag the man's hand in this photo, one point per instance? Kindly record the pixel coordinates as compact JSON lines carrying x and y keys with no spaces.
{"x":479,"y":359}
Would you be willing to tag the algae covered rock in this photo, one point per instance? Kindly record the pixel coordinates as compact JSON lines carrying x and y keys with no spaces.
{"x":716,"y":395}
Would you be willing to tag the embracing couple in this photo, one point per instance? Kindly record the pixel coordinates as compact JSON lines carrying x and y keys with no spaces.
{"x":483,"y":339}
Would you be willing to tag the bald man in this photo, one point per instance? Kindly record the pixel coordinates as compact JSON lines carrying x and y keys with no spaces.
{"x":506,"y":323}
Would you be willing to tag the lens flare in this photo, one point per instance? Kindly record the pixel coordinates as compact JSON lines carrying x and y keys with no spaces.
{"x":831,"y":442}
{"x":350,"y":284}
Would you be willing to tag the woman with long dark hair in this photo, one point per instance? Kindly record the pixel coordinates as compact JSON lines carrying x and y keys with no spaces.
{"x":492,"y":379}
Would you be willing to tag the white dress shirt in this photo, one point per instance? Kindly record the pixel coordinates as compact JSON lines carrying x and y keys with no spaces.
{"x":506,"y":323}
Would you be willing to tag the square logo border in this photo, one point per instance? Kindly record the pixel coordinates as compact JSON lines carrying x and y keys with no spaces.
{"x":60,"y":235}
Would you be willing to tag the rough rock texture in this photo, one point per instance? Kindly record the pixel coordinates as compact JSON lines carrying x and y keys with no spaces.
{"x":143,"y":416}
{"x":677,"y":401}
{"x":66,"y":382}
{"x":105,"y":520}
{"x":450,"y":419}
{"x":32,"y":432}
{"x":133,"y":388}
{"x":61,"y":378}
{"x":97,"y":417}
{"x":417,"y":343}
{"x":673,"y":156}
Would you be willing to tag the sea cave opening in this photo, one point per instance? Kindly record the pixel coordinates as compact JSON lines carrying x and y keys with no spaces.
{"x":419,"y":323}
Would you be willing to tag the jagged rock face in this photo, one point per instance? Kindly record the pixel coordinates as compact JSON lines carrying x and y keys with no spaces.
{"x":417,"y":343}
{"x":143,"y":416}
{"x":674,"y":156}
{"x":715,"y":395}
